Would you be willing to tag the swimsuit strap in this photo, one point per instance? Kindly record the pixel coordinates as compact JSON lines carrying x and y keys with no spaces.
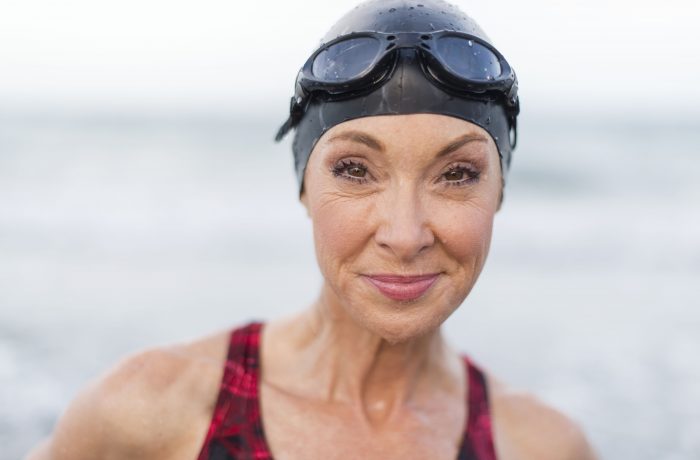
{"x":478,"y":439}
{"x":236,"y":430}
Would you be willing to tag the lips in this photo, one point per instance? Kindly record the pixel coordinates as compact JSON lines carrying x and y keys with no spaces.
{"x":402,"y":288}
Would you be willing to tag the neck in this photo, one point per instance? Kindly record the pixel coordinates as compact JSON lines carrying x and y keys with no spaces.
{"x":344,"y":362}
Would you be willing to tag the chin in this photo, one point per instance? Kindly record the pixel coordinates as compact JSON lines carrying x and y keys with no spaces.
{"x":400,"y":322}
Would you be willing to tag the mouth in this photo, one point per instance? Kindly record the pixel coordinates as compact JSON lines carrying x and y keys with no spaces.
{"x":402,"y":288}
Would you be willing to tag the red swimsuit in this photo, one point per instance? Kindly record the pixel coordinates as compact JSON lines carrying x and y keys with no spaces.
{"x":236,"y":431}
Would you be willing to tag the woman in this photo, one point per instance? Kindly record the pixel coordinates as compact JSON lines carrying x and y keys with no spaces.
{"x":405,"y":122}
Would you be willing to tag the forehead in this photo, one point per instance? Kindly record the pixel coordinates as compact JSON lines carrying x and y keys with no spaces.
{"x":420,"y":132}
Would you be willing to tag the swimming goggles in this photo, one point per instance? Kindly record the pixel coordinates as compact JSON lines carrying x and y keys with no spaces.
{"x":351,"y":65}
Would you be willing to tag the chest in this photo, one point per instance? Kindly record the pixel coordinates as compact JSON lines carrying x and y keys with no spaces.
{"x":301,"y":429}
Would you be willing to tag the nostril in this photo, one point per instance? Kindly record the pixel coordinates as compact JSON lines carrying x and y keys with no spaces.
{"x":404,"y":238}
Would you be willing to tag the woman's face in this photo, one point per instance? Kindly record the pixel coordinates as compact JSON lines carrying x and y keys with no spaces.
{"x":402,"y":209}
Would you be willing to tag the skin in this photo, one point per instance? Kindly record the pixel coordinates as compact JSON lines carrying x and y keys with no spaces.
{"x":357,"y":374}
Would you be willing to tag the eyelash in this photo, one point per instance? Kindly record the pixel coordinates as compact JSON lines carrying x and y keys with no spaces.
{"x":472,"y":175}
{"x":340,"y":170}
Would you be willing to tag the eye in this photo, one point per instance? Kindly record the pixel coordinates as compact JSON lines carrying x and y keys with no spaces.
{"x":350,"y":170}
{"x":460,"y":174}
{"x":454,"y":175}
{"x":356,"y":171}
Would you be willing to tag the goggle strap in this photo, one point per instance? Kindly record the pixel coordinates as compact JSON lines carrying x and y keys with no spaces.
{"x":284,"y":129}
{"x":296,"y":111}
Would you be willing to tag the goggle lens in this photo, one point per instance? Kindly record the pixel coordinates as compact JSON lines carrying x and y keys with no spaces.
{"x":346,"y":60}
{"x":468,"y":59}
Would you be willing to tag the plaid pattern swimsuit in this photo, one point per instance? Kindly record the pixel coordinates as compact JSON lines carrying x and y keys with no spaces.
{"x":236,"y":431}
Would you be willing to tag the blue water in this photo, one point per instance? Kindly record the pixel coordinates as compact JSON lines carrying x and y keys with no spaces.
{"x":121,"y":231}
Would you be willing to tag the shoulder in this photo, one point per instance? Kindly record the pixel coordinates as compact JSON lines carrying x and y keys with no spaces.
{"x":525,"y":427}
{"x":144,"y":404}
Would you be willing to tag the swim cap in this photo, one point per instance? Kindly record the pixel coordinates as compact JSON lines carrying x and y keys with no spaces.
{"x":427,"y":63}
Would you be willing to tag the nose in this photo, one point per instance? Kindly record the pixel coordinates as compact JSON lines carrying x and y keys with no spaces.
{"x":404,"y":229}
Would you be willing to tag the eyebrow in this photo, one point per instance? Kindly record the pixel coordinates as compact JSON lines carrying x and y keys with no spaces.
{"x":373,"y":143}
{"x":459,"y":142}
{"x":361,"y":138}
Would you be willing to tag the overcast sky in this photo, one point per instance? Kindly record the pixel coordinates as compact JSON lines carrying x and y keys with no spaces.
{"x":618,"y":54}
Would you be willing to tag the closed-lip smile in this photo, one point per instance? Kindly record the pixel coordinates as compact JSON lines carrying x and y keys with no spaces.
{"x":402,"y":287}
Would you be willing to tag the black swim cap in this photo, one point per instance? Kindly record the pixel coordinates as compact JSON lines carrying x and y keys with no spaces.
{"x":408,"y":89}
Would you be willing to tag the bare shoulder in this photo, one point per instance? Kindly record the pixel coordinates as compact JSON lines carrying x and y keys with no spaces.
{"x":149,"y":405}
{"x":527,"y":428}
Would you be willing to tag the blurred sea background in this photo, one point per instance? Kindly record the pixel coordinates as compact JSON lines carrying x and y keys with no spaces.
{"x":143,"y":202}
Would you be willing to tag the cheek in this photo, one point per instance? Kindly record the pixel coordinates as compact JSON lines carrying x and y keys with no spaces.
{"x":468,"y":225}
{"x":465,"y":232}
{"x":340,"y":231}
